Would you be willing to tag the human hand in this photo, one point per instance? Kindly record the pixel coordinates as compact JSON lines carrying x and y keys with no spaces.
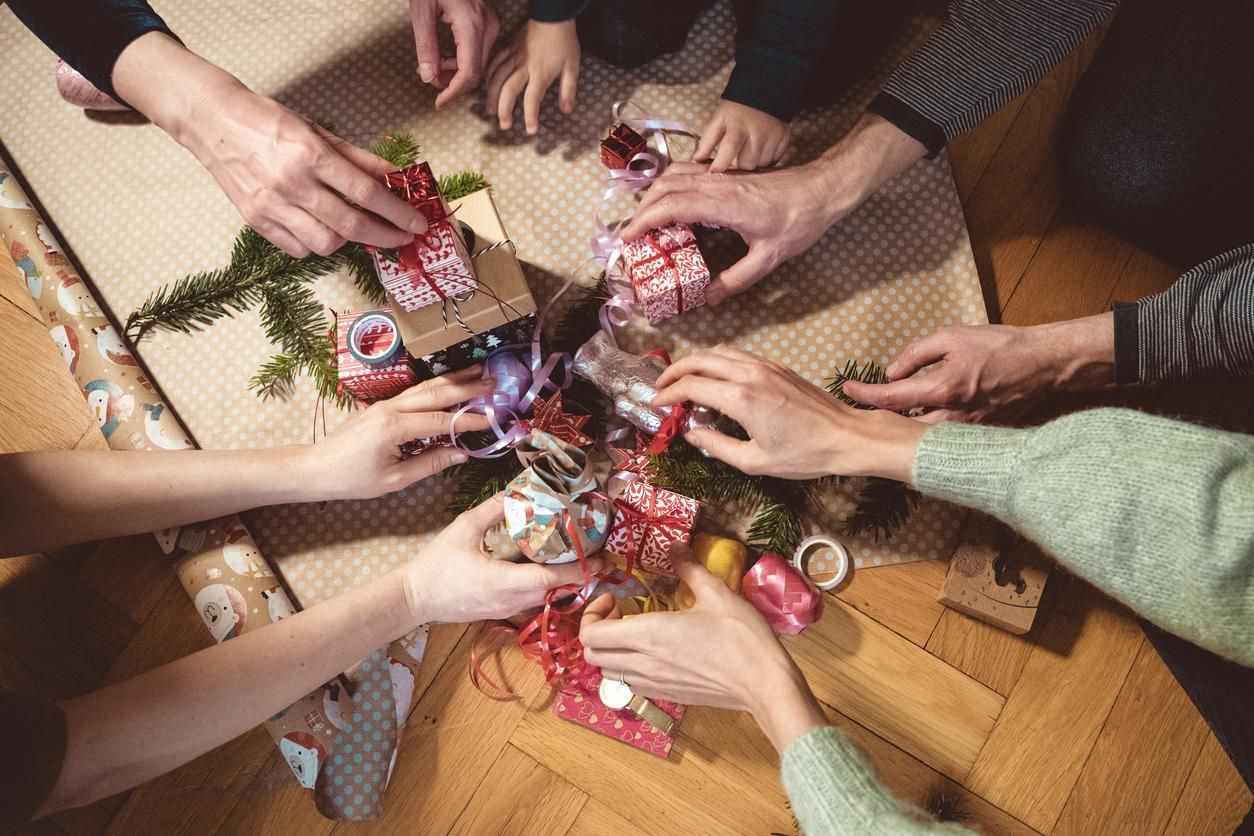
{"x":744,"y":137}
{"x":301,"y":187}
{"x":475,"y":27}
{"x":796,"y":430}
{"x":452,"y":579}
{"x":720,"y":653}
{"x":778,"y":213}
{"x":541,"y":54}
{"x":362,"y":458}
{"x":988,"y":369}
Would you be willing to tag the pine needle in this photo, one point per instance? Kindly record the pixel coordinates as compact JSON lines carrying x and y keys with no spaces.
{"x":883,"y":506}
{"x":361,"y":267}
{"x":461,"y":183}
{"x":276,"y":377}
{"x":478,"y":480}
{"x":868,"y":372}
{"x":400,"y":149}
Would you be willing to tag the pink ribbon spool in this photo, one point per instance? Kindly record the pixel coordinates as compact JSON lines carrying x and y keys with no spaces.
{"x":780,"y":592}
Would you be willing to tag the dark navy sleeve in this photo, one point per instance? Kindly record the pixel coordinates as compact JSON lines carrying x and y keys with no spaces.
{"x":555,"y":11}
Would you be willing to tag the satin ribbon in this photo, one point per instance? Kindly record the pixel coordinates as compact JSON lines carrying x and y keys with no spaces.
{"x":783,"y":594}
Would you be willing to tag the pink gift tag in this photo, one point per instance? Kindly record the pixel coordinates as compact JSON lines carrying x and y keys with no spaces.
{"x":579,"y":703}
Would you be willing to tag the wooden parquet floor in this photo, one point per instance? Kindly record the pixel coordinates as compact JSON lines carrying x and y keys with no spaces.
{"x":1077,"y":728}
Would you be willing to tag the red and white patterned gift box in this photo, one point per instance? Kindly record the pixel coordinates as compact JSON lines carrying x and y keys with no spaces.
{"x":433,"y":267}
{"x":647,"y":521}
{"x":578,"y":702}
{"x":667,"y":271}
{"x":363,"y":381}
{"x":418,"y":187}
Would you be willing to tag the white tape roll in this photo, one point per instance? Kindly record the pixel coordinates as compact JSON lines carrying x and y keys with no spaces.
{"x":814,"y":546}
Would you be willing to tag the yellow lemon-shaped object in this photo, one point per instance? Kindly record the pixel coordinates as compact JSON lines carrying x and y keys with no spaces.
{"x":723,"y":557}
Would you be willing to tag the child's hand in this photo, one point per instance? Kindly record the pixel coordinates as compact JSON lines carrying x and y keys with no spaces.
{"x":538,"y":56}
{"x":746,"y":138}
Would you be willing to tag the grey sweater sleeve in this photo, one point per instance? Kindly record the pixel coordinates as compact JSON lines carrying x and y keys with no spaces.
{"x":1203,"y":324}
{"x":983,"y":55}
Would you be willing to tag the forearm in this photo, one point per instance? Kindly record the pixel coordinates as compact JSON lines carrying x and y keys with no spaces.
{"x":1203,"y":324}
{"x":872,"y":153}
{"x":130,"y":732}
{"x":56,"y":498}
{"x":89,"y":34}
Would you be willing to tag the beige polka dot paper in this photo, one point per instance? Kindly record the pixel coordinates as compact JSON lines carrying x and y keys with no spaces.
{"x":138,"y":211}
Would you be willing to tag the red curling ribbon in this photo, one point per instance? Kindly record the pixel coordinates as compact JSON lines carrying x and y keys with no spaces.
{"x":780,"y":592}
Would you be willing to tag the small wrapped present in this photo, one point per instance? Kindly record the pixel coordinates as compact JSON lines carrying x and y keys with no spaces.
{"x":580,"y":703}
{"x":620,"y":146}
{"x":554,"y":509}
{"x":369,"y":358}
{"x":431,"y":268}
{"x":647,"y":521}
{"x":418,"y":187}
{"x":667,"y":271}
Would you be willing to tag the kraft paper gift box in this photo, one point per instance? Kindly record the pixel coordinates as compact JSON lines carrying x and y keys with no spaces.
{"x":667,"y":270}
{"x":369,"y":381}
{"x":501,"y":310}
{"x":651,"y":521}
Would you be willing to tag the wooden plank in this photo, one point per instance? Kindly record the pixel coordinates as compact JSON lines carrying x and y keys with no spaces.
{"x":971,"y":153}
{"x":130,"y":573}
{"x":48,"y":412}
{"x":1070,"y":681}
{"x":1142,"y":758}
{"x":897,"y":689}
{"x":736,"y":736}
{"x":901,"y":597}
{"x":597,"y":819}
{"x":1144,"y":275}
{"x":1010,"y":209}
{"x":1215,"y":798}
{"x":520,"y":797}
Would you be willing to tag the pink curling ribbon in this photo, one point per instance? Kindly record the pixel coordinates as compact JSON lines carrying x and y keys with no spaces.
{"x":780,"y":592}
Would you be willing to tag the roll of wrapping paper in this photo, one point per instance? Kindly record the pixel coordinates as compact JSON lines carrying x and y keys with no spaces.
{"x":233,"y":587}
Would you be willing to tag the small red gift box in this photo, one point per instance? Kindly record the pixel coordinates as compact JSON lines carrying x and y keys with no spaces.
{"x":667,"y":270}
{"x":431,"y":268}
{"x":579,"y":703}
{"x":369,"y":358}
{"x":647,"y":522}
{"x":620,"y":146}
{"x":418,"y":187}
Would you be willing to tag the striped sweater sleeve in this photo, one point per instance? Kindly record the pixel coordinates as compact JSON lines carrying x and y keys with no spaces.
{"x":1203,"y":324}
{"x":983,"y":55}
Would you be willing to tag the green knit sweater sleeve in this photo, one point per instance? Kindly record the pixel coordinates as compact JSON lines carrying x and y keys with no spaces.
{"x":1158,"y":513}
{"x":834,"y":791}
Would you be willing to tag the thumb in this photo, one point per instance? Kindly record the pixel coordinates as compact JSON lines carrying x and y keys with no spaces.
{"x":550,"y":575}
{"x":484,"y":515}
{"x":741,"y":276}
{"x":699,"y":579}
{"x":604,"y":608}
{"x":430,"y":463}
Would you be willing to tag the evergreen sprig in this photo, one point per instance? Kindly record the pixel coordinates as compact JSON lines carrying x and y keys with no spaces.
{"x":868,"y":372}
{"x":457,"y":185}
{"x":400,"y":149}
{"x":361,"y":267}
{"x":480,"y":479}
{"x":882,"y":507}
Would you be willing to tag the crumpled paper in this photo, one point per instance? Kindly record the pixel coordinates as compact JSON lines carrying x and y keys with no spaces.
{"x":555,"y":510}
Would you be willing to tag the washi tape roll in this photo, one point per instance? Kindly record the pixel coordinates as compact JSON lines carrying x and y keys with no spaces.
{"x":374,"y":340}
{"x":821,"y":547}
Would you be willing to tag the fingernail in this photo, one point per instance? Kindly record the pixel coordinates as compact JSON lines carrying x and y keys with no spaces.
{"x":426,"y":72}
{"x":418,"y":225}
{"x":459,"y":458}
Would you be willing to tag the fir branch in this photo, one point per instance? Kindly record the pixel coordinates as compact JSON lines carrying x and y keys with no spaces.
{"x":776,"y":527}
{"x":276,"y":377}
{"x":480,"y":479}
{"x":461,"y":183}
{"x":361,"y":267}
{"x":400,"y":149}
{"x":579,"y":318}
{"x":320,"y":367}
{"x":883,"y":506}
{"x":868,"y":372}
{"x":293,"y":318}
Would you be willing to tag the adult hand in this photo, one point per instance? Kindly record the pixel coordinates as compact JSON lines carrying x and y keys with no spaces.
{"x":744,"y":137}
{"x":778,"y":213}
{"x":301,"y":187}
{"x":475,"y":27}
{"x":541,"y":54}
{"x":452,"y":579}
{"x":362,"y":458}
{"x":796,"y":430}
{"x":720,"y":653}
{"x":987,"y":369}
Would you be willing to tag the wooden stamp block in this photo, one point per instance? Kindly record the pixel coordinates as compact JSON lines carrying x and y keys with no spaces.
{"x":995,"y":576}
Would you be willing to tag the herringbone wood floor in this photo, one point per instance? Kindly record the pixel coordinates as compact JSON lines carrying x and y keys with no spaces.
{"x":1076,"y":729}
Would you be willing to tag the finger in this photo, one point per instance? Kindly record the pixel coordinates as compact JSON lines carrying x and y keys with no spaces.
{"x":615,"y":662}
{"x":532,"y":99}
{"x":353,"y":224}
{"x":709,"y":139}
{"x":483,"y":516}
{"x":283,"y":239}
{"x":939,"y":416}
{"x":706,"y":363}
{"x":316,"y":236}
{"x":491,"y":28}
{"x":922,"y":352}
{"x":360,"y":157}
{"x":694,"y":206}
{"x":441,"y":394}
{"x":509,"y":96}
{"x":738,"y":278}
{"x":422,"y":17}
{"x":633,"y":633}
{"x":425,"y":465}
{"x":728,"y":148}
{"x":749,"y":156}
{"x":540,"y":577}
{"x":777,"y":150}
{"x":601,"y":608}
{"x":412,"y":426}
{"x":699,"y":579}
{"x":469,"y":42}
{"x":567,"y":89}
{"x":725,"y":396}
{"x":911,"y":393}
{"x":494,"y":73}
{"x":371,"y":194}
{"x":670,"y":183}
{"x":742,"y":455}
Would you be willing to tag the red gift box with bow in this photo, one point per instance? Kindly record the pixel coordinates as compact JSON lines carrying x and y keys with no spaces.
{"x":364,"y":381}
{"x":418,"y":187}
{"x":620,"y":146}
{"x":431,"y":268}
{"x":667,"y":270}
{"x":647,"y":521}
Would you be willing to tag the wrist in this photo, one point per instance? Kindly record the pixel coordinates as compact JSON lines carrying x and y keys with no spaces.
{"x":882,"y":443}
{"x":781,"y":702}
{"x":872,"y":153}
{"x":306,"y":474}
{"x":1076,"y":354}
